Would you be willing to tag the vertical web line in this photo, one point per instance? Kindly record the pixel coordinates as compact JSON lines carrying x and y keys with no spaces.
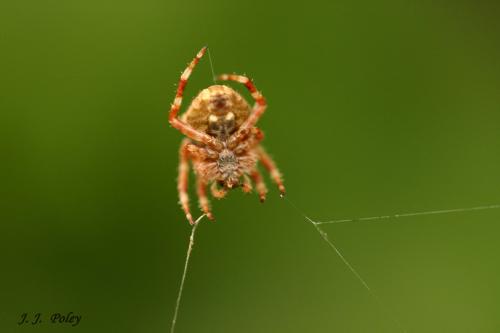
{"x":183,"y":279}
{"x":211,"y":65}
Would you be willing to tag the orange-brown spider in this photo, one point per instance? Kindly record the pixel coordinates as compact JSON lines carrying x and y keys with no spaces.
{"x":222,"y":141}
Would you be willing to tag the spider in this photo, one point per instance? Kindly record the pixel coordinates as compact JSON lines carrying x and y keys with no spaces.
{"x":221,"y":141}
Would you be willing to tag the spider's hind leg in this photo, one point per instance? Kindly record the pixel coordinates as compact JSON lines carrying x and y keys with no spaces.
{"x":270,"y":166}
{"x":182,"y":180}
{"x":247,"y":184}
{"x":202,"y":195}
{"x":259,"y":184}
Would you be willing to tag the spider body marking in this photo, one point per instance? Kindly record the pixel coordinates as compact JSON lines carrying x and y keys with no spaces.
{"x":222,"y":141}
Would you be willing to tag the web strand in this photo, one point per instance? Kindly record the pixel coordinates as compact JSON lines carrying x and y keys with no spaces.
{"x":186,"y":265}
{"x":330,"y":243}
{"x":211,"y":65}
{"x":396,"y":216}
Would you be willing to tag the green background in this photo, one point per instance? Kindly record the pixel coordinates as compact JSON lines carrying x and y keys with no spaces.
{"x":375,"y":107}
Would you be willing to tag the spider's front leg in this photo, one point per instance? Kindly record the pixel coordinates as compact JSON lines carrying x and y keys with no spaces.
{"x":182,"y":180}
{"x":183,"y":127}
{"x":260,"y":102}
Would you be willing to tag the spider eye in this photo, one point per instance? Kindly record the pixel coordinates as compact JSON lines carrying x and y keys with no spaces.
{"x":229,"y":118}
{"x":229,"y":121}
{"x":213,"y":124}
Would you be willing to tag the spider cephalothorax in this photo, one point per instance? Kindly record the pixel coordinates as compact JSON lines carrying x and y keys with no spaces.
{"x":222,"y":140}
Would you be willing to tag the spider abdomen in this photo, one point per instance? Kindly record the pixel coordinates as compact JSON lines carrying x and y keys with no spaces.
{"x":216,"y":100}
{"x":228,"y":168}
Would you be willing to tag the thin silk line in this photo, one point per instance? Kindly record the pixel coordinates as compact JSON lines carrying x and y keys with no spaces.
{"x":330,"y":243}
{"x":395,"y":216}
{"x":211,"y":65}
{"x":186,"y":265}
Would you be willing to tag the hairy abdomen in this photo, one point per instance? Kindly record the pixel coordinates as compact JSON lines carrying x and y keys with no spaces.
{"x":229,"y":167}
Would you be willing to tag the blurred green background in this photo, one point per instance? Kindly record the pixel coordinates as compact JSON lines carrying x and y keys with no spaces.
{"x":374,"y":108}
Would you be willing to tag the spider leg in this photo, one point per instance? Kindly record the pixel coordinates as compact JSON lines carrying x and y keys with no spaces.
{"x":216,"y":192}
{"x":202,"y":195}
{"x":259,"y":184}
{"x":247,"y":184}
{"x":200,"y":153}
{"x":270,"y":166}
{"x":183,"y":127}
{"x":182,"y":181}
{"x":245,"y":140}
{"x":260,"y":102}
